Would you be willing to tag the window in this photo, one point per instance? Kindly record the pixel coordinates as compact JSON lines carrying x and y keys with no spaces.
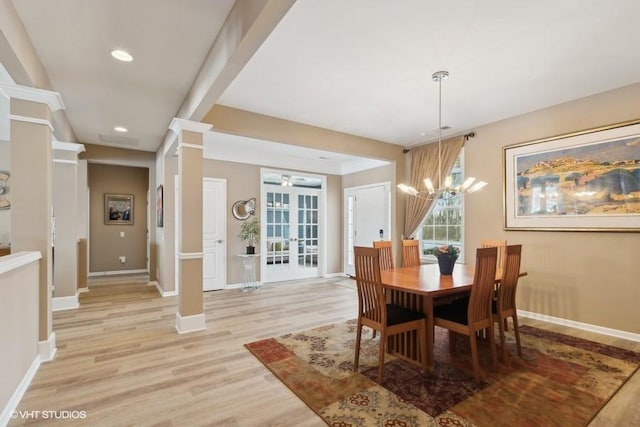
{"x":444,"y":224}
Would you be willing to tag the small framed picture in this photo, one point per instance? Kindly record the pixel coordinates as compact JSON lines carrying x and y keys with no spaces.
{"x":159,"y":206}
{"x":118,"y":209}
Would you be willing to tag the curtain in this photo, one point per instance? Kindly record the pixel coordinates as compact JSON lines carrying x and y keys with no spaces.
{"x":424,"y":164}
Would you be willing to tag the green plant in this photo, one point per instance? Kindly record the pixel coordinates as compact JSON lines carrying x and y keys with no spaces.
{"x":436,"y":251}
{"x":250,"y":231}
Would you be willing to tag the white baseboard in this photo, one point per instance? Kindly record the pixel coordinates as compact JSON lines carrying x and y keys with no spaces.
{"x":47,"y":349}
{"x":239,"y":285}
{"x":162,"y":291}
{"x":187,"y":324}
{"x":16,"y":397}
{"x":329,"y":275}
{"x":65,"y":303}
{"x":583,"y":326}
{"x":116,"y":272}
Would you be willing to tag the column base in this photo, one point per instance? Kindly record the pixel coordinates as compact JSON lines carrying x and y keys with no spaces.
{"x":187,"y":324}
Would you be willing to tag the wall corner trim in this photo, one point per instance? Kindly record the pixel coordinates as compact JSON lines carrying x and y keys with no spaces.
{"x":162,"y":291}
{"x":187,"y":324}
{"x":65,"y":303}
{"x":47,"y":349}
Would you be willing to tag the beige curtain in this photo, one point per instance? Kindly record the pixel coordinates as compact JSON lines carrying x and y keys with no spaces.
{"x":424,"y":164}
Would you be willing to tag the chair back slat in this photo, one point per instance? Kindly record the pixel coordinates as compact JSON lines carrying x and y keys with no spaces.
{"x":386,"y":255}
{"x":501,"y":245}
{"x":371,"y":301}
{"x":410,"y":253}
{"x":509,"y":281}
{"x":479,"y":311}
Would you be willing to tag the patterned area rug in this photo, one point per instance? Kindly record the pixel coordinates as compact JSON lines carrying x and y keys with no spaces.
{"x":559,"y":381}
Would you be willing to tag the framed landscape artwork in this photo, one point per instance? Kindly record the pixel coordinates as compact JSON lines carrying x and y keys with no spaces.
{"x":118,"y":209}
{"x":584,"y":181}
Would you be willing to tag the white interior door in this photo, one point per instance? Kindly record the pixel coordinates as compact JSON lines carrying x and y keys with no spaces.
{"x":367,"y":218}
{"x":214,"y":237}
{"x":214,"y":246}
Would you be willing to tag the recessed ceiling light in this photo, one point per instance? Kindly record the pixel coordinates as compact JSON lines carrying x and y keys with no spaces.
{"x":121,"y":129}
{"x":423,"y":134}
{"x":122,"y":55}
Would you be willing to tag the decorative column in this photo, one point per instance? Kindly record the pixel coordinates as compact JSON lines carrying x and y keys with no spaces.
{"x":67,"y":217}
{"x":190,"y":316}
{"x":31,"y":191}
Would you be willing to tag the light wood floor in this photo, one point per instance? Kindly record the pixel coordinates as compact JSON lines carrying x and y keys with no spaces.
{"x":121,"y":360}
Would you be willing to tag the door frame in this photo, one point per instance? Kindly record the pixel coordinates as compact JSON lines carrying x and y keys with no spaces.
{"x":345,"y":224}
{"x":322,"y":216}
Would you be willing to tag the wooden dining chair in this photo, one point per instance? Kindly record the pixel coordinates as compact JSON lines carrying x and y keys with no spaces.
{"x":374,"y":312}
{"x":501,"y":245}
{"x":472,"y":315}
{"x":505,"y":304}
{"x":410,"y":253}
{"x":386,"y":254}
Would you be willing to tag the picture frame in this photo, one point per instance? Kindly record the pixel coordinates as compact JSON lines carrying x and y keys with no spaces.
{"x":583,"y":181}
{"x":160,"y":206}
{"x":118,"y":209}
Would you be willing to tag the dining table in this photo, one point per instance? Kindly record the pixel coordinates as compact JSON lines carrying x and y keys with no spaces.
{"x":421,"y":288}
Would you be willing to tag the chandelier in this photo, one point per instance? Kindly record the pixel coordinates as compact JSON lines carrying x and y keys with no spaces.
{"x":448,"y":190}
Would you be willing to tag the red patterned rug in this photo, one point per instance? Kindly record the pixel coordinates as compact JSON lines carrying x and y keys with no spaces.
{"x":559,"y":381}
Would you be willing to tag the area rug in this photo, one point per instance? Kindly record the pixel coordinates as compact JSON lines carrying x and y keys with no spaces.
{"x":559,"y":381}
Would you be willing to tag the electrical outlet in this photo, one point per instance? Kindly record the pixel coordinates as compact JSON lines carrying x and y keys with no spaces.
{"x":122,"y":259}
{"x":122,"y":234}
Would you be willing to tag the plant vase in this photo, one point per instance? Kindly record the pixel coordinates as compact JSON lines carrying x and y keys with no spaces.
{"x":251,"y":250}
{"x":446,"y":264}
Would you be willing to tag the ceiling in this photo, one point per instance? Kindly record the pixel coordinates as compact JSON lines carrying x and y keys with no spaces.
{"x":361,"y":67}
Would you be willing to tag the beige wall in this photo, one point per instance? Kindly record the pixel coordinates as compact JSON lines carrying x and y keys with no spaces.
{"x":586,"y":277}
{"x":18,"y":324}
{"x":105,"y":242}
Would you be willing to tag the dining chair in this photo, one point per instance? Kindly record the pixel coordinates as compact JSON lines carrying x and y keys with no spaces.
{"x":505,"y":304}
{"x":410,"y":253}
{"x":472,"y":315}
{"x":374,"y":312}
{"x":386,"y":255}
{"x":501,"y":245}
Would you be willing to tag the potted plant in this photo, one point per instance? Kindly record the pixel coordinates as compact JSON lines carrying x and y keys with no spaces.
{"x":250,"y":232}
{"x":446,"y":255}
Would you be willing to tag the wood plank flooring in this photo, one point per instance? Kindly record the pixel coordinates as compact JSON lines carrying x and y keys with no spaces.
{"x":121,"y":360}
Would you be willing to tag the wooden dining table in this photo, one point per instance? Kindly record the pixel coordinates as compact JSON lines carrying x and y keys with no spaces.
{"x":420,"y":288}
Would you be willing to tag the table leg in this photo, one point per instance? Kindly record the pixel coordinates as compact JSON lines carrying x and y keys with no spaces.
{"x":428,"y":311}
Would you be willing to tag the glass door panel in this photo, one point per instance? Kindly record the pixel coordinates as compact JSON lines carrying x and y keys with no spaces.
{"x":292,"y":234}
{"x":278,"y":206}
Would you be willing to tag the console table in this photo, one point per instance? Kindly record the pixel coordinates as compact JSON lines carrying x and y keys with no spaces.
{"x":249,"y":271}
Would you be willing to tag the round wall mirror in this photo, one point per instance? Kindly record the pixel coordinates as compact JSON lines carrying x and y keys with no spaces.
{"x":243,"y":209}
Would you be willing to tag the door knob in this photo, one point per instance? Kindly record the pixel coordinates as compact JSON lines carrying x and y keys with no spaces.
{"x":219,"y":241}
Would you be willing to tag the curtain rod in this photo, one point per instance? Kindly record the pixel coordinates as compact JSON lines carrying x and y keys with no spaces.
{"x":466,"y":138}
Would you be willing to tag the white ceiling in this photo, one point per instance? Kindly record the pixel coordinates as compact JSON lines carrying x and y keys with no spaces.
{"x":357,"y":66}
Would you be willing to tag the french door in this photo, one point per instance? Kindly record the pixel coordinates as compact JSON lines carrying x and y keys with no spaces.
{"x":291,"y":233}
